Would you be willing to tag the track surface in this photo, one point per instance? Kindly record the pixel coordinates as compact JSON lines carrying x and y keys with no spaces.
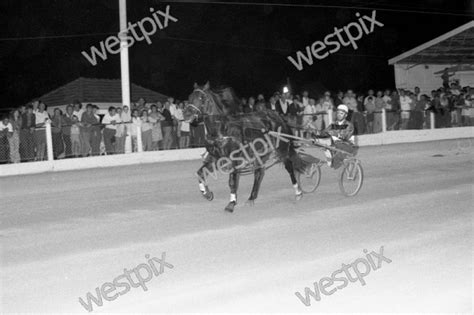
{"x":64,"y":234}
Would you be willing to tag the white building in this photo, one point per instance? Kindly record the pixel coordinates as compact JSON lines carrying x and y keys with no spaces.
{"x":423,"y":66}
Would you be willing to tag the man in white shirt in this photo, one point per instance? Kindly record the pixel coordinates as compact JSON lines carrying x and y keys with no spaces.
{"x":41,"y":116}
{"x":6,"y":132}
{"x":405,"y":106}
{"x":387,"y":100}
{"x":350,"y":100}
{"x":327,"y":104}
{"x":369,"y":98}
{"x":78,"y":110}
{"x":173,"y":107}
{"x":305,"y":99}
{"x":6,"y":126}
{"x":110,"y":120}
{"x":35,"y":105}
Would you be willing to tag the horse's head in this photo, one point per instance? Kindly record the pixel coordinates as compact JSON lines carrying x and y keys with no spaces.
{"x":201,"y":99}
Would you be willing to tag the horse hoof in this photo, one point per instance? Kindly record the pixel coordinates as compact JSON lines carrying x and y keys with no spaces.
{"x":298,"y":197}
{"x":230,"y":207}
{"x":250,"y":202}
{"x":209,"y":195}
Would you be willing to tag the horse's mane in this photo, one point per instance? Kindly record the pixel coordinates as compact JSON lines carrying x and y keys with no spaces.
{"x":225,"y":97}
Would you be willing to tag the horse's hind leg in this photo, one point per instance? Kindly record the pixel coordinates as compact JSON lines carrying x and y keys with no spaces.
{"x":206,"y":193}
{"x":234,"y":186}
{"x":289,"y":168}
{"x":257,"y":181}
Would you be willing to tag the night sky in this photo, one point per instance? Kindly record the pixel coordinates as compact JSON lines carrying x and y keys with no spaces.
{"x":242,"y":45}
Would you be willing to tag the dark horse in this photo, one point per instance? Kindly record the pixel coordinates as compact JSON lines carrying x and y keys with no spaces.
{"x":240,"y":140}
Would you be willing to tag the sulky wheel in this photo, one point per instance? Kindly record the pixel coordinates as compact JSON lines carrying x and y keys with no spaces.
{"x":309,"y":180}
{"x":352,"y":177}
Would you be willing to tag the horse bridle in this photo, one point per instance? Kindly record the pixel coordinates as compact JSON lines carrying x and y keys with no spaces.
{"x":208,"y":99}
{"x":206,"y":102}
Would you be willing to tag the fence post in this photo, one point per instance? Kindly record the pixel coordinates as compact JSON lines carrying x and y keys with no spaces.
{"x":432,"y":120}
{"x":330,"y":115}
{"x":384,"y":120}
{"x":128,"y":143}
{"x":49,"y":140}
{"x":139,"y":139}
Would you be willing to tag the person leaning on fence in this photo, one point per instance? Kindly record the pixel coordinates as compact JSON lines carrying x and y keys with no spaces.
{"x":146,"y":130}
{"x":444,"y":111}
{"x":379,"y":107}
{"x":96,"y":133}
{"x":76,"y":143}
{"x":317,"y":120}
{"x":111,"y":120}
{"x":56,"y":133}
{"x":369,"y":104}
{"x":340,"y":136}
{"x":126,"y":118}
{"x":14,"y":140}
{"x":119,"y":145}
{"x":185,"y":134}
{"x":467,"y":113}
{"x":308,"y":112}
{"x":135,"y":126}
{"x":27,"y":138}
{"x":89,"y":125}
{"x":388,"y":109}
{"x":179,"y":116}
{"x":41,"y":117}
{"x":155,"y":119}
{"x":327,"y":104}
{"x":173,"y":108}
{"x":418,"y":113}
{"x":167,"y":125}
{"x":6,"y":131}
{"x":405,"y":106}
{"x":66,"y":131}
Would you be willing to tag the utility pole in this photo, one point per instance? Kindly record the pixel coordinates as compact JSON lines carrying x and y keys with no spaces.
{"x":125,"y":75}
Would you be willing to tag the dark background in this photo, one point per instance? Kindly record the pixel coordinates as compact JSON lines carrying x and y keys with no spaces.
{"x":243,"y":45}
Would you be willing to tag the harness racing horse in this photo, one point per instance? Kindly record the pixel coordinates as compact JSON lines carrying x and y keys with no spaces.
{"x":240,"y":140}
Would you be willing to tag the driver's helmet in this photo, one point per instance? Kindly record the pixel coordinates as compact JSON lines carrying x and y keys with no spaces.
{"x":343,"y":108}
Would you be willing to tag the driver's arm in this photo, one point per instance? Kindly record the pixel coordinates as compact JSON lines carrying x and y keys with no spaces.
{"x":347,"y":133}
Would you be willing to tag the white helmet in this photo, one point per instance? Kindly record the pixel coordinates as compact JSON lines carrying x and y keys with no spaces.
{"x":343,"y":108}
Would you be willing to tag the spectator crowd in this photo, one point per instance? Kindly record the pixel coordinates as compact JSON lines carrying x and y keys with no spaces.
{"x":81,"y":131}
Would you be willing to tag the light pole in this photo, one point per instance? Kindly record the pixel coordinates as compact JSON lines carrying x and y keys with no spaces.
{"x":125,"y":75}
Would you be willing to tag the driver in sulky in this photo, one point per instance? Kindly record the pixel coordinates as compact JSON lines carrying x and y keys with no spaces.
{"x":339,"y":134}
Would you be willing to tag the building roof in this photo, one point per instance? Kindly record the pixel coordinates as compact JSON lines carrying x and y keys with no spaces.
{"x":89,"y":90}
{"x":456,"y":46}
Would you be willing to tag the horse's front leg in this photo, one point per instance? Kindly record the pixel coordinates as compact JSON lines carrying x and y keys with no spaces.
{"x":257,"y":181}
{"x":289,"y":168}
{"x":206,"y":192}
{"x":233,"y":185}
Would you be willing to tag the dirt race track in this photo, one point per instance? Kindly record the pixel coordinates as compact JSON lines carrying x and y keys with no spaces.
{"x":64,"y":234}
